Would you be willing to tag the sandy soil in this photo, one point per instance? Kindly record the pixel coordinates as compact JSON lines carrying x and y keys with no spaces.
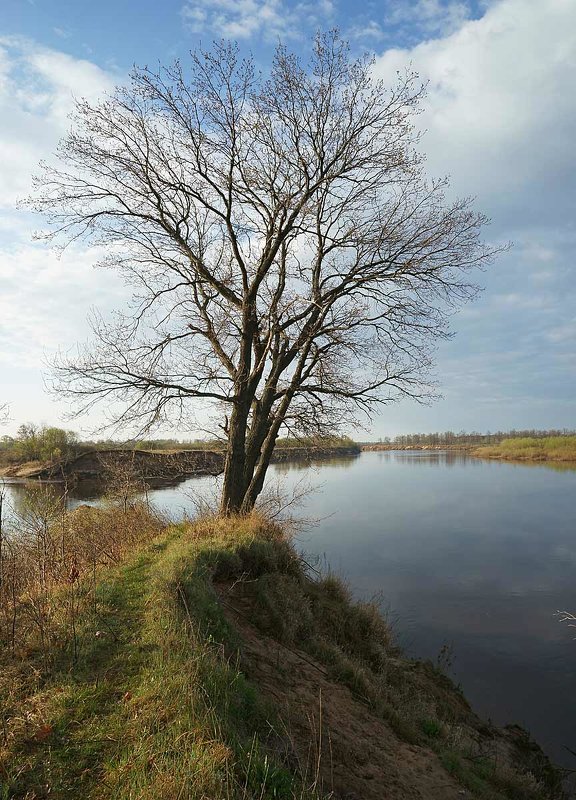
{"x":335,"y":739}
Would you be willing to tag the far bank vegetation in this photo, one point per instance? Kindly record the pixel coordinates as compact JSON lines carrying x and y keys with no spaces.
{"x":550,"y":448}
{"x":42,"y":443}
{"x":468,"y":438}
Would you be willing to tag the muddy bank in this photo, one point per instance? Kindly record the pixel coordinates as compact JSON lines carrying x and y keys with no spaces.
{"x":355,"y":753}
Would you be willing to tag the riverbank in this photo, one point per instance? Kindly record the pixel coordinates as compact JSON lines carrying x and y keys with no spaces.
{"x":552,"y":448}
{"x":207,"y":659}
{"x":156,"y":465}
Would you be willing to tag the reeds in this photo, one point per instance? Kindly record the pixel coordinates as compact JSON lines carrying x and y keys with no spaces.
{"x":549,"y":448}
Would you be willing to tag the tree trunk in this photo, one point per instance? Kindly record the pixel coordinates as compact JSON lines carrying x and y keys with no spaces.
{"x":234,"y":485}
{"x":255,"y":483}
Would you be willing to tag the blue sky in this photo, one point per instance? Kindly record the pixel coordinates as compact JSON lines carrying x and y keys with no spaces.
{"x":500,"y":118}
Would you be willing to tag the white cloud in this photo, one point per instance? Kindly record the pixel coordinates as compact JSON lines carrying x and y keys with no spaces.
{"x":245,"y":19}
{"x":371,"y":30}
{"x":519,"y":300}
{"x":43,"y":299}
{"x":37,"y":91}
{"x":501,"y":110}
{"x":565,"y":334}
{"x":500,"y":118}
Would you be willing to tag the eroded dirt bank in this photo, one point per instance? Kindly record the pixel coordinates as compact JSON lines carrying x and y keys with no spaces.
{"x":332,"y":738}
{"x":155,"y":464}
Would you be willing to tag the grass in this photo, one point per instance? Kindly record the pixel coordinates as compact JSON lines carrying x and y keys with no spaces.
{"x":550,"y":448}
{"x":152,"y":708}
{"x":153,"y":703}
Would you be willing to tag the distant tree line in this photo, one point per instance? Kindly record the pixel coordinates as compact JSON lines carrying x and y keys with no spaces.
{"x":474,"y":437}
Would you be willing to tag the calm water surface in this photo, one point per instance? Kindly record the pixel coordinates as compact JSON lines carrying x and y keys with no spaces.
{"x":475,"y":555}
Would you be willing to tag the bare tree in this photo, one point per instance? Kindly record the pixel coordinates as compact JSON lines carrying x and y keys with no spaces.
{"x":290,"y":262}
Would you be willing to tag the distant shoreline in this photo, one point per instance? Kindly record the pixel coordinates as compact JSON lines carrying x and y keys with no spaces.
{"x":526,"y":459}
{"x":537,"y":452}
{"x":156,"y":464}
{"x":176,"y":465}
{"x":377,"y":447}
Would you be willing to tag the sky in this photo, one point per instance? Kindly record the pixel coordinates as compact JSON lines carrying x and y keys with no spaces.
{"x":499,"y":119}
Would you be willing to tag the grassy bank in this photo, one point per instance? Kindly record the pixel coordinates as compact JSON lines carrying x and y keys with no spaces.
{"x":551,"y":448}
{"x":208,"y":660}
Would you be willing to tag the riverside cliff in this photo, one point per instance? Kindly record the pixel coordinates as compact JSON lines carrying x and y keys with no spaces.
{"x":157,"y":465}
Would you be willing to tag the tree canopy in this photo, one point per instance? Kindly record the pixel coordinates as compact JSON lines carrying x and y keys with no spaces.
{"x":291,"y":264}
{"x":34,"y":442}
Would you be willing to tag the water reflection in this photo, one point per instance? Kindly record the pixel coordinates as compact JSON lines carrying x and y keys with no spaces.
{"x":555,"y":466}
{"x":342,"y":462}
{"x":90,"y":492}
{"x":426,"y":458}
{"x":21,"y":498}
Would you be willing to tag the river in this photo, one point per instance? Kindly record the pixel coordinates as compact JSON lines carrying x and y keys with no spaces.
{"x":471,"y":560}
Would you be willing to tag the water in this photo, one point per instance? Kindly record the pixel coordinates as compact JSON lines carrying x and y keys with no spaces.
{"x":476,"y":556}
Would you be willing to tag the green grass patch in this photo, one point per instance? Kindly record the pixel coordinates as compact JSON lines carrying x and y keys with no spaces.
{"x":152,"y":708}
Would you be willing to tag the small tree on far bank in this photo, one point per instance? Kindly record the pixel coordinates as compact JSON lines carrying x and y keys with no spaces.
{"x":291,"y":264}
{"x":45,"y":443}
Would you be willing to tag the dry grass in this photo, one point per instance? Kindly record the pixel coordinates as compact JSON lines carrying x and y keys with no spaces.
{"x":550,"y":448}
{"x":50,"y":559}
